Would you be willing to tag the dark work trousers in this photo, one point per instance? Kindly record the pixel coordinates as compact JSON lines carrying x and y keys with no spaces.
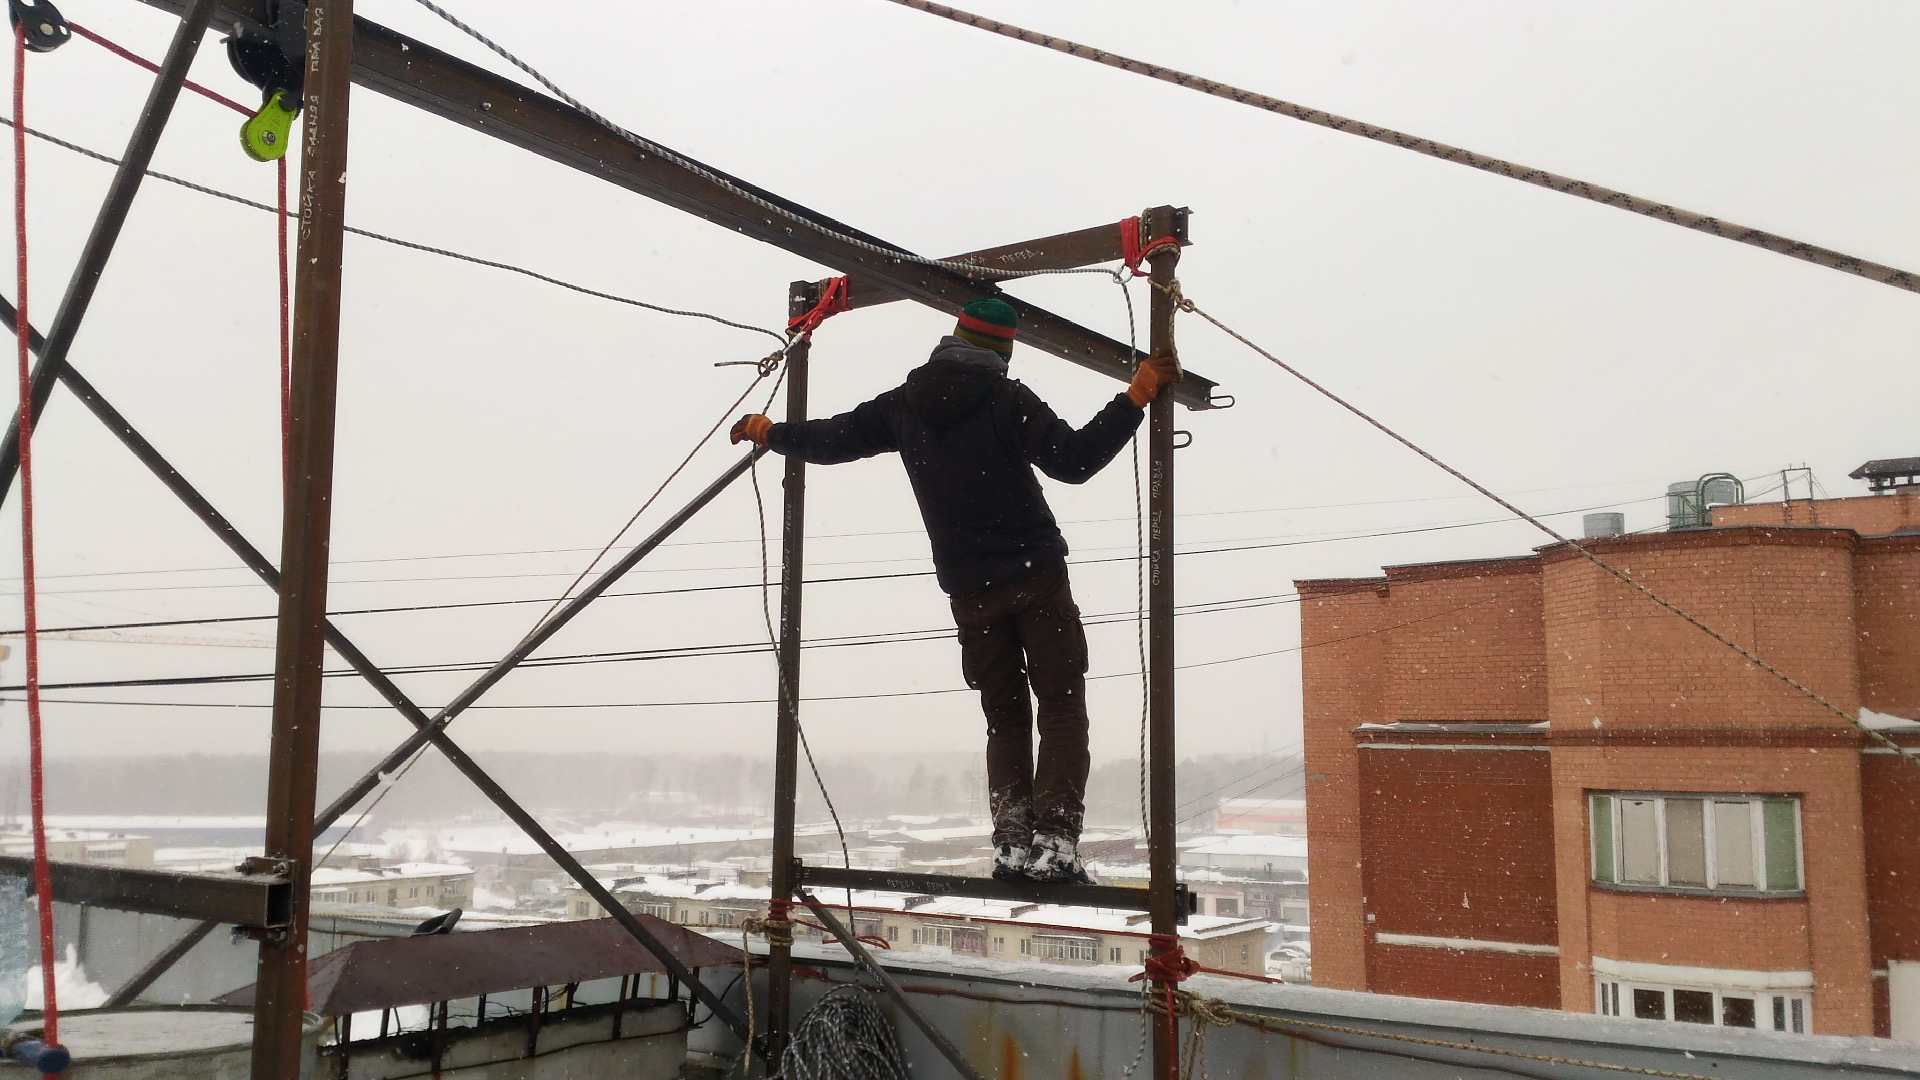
{"x":1014,"y":635}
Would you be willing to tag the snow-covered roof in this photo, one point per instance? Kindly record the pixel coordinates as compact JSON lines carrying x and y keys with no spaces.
{"x":326,"y":875}
{"x":1037,"y":916}
{"x":1879,"y":721}
{"x":509,"y":839}
{"x":1248,"y":845}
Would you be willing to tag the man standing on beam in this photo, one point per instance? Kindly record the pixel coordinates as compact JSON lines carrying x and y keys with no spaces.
{"x":970,"y":438}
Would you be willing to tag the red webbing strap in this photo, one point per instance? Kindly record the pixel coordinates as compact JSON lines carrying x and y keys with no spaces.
{"x":42,"y":874}
{"x":833,"y":301}
{"x":1132,"y":251}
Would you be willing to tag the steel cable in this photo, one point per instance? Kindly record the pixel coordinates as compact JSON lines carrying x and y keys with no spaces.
{"x":1579,"y":549}
{"x":1526,"y":174}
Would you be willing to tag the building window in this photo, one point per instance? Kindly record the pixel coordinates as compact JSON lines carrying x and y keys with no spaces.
{"x":1767,"y":1010}
{"x":1113,"y":954}
{"x":580,"y":908}
{"x":1720,"y":843}
{"x":1063,"y":947}
{"x":1226,"y":906}
{"x":959,"y":938}
{"x":999,"y":944}
{"x":1026,"y":946}
{"x":658,"y":911}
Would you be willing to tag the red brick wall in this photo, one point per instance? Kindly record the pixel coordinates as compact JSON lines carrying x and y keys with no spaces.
{"x":1461,"y":975}
{"x":1887,"y":606}
{"x":1826,"y":933}
{"x":1892,"y":791}
{"x":1467,"y":642}
{"x":1615,"y":659}
{"x":1341,"y":659}
{"x":1868,"y":515}
{"x":1459,"y":843}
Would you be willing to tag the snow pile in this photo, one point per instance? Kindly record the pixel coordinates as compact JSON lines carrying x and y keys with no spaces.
{"x":71,"y":987}
{"x":491,"y":901}
{"x":1878,"y":721}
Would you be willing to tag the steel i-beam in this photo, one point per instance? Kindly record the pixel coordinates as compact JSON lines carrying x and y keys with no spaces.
{"x":293,"y":764}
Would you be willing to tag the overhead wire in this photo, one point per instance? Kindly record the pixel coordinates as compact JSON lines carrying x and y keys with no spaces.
{"x":1220,"y":548}
{"x":414,"y":245}
{"x":867,"y":534}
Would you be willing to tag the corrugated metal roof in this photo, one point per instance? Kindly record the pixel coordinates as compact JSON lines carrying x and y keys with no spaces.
{"x":390,"y":972}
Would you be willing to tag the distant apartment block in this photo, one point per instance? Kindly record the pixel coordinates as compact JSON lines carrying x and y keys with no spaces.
{"x":403,"y":885}
{"x":102,"y":848}
{"x":1529,"y":785}
{"x":991,"y":929}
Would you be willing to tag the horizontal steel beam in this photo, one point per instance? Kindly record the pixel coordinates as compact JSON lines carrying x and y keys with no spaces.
{"x":256,"y":901}
{"x":1062,"y":251}
{"x":436,"y":82}
{"x":979,"y":888}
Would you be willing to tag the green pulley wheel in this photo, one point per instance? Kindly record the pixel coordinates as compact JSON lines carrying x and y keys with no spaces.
{"x":266,"y":135}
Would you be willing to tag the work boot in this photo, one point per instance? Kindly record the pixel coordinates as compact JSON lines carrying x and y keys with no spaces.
{"x":1056,"y":861}
{"x":1010,"y":862}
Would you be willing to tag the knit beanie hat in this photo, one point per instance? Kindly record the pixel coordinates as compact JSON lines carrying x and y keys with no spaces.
{"x":988,"y":322}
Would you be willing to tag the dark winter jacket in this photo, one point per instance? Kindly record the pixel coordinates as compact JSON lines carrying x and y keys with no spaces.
{"x":970,"y":437}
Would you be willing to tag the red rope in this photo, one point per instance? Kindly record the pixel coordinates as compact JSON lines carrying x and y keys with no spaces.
{"x":127,"y":54}
{"x":1132,"y":251}
{"x":286,"y":306}
{"x":42,"y":874}
{"x":833,"y":301}
{"x":286,"y":339}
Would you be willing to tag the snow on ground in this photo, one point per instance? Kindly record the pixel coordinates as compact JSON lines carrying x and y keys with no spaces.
{"x":491,"y":901}
{"x":1878,"y":721}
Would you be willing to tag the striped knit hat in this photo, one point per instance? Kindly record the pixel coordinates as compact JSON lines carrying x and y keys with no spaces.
{"x":988,"y":322}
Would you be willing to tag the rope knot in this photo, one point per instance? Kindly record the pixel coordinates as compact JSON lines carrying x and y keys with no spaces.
{"x":776,"y":931}
{"x":1167,"y":962}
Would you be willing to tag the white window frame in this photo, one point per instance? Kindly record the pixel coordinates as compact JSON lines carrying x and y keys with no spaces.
{"x":1757,"y":834}
{"x":1773,"y":1010}
{"x":1067,"y":947}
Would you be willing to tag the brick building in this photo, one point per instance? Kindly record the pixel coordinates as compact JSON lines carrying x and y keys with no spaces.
{"x":1529,"y":785}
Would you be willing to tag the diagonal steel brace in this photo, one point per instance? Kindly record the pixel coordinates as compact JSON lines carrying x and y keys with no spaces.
{"x":107,"y":224}
{"x":265,"y":570}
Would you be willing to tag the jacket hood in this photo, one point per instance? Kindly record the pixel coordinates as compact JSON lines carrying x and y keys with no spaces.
{"x":954,"y":381}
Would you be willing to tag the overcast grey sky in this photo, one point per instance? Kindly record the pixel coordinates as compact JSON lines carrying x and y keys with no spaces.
{"x":1569,"y":354}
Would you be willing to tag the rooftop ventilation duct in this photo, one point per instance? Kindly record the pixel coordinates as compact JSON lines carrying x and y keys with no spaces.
{"x":1690,"y":503}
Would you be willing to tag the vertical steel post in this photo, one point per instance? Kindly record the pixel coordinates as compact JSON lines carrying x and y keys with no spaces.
{"x":801,"y":297}
{"x":1161,"y":856}
{"x":107,"y":224}
{"x":306,"y":526}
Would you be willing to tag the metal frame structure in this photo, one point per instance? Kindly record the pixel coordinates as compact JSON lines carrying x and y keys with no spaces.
{"x":268,"y":896}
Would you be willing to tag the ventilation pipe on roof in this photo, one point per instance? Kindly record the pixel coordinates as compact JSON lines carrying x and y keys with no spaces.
{"x":1690,"y":503}
{"x":1603,"y":526}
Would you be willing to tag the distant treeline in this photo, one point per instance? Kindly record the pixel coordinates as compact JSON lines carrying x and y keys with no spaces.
{"x":580,"y":788}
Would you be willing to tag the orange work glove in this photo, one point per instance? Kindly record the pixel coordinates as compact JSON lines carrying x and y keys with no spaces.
{"x":1153,"y":373}
{"x":751,"y":426}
